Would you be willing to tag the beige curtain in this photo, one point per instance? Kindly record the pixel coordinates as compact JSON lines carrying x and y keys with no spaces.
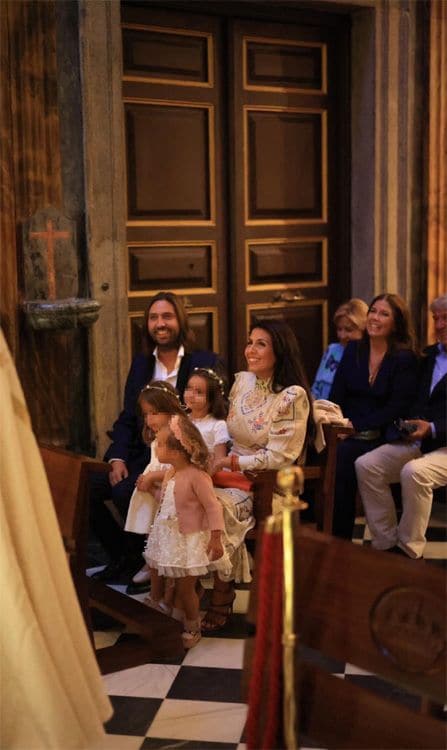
{"x":50,"y":687}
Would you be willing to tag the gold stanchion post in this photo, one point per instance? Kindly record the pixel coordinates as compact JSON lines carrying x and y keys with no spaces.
{"x":288,"y":479}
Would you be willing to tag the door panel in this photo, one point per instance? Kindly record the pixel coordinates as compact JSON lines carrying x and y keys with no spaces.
{"x":283,"y":235}
{"x":176,"y":224}
{"x":203,"y":95}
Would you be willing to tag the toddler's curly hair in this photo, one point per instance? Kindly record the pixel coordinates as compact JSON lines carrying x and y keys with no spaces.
{"x":184,"y":436}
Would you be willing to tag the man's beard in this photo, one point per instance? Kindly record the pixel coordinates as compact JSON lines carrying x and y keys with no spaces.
{"x":168,"y":346}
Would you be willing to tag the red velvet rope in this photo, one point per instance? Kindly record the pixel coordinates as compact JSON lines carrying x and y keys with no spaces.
{"x":269,"y":613}
{"x":274,"y":706}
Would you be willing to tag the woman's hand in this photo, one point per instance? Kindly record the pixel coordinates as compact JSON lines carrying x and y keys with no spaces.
{"x":221,"y":463}
{"x":145,"y":482}
{"x":215,"y":548}
{"x":119,"y":472}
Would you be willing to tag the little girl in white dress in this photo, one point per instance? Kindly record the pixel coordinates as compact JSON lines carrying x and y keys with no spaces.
{"x":158,"y":402}
{"x":186,"y":539}
{"x":207,"y":408}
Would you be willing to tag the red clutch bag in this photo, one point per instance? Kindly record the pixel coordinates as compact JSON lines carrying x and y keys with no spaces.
{"x":235,"y":479}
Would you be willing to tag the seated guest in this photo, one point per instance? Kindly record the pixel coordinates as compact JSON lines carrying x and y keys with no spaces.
{"x":170,"y":356}
{"x":270,"y":423}
{"x":349,"y":321}
{"x":375,"y":383}
{"x":418,"y":459}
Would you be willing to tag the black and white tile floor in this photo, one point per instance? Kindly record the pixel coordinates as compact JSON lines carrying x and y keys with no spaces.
{"x":194,"y":703}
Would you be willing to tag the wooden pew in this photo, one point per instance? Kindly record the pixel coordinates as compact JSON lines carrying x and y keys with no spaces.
{"x":377,"y":611}
{"x":321,"y":475}
{"x":156,"y":635}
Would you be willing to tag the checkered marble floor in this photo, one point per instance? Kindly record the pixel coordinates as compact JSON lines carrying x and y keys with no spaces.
{"x":194,"y":702}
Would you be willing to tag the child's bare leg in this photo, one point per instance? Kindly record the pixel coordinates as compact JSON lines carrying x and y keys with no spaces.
{"x":187,"y":597}
{"x":169,"y":594}
{"x":157,"y":585}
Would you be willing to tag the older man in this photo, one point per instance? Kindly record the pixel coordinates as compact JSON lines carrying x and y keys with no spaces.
{"x":417,"y":459}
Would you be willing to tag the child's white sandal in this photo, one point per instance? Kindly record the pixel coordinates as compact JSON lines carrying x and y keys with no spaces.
{"x":192,"y":634}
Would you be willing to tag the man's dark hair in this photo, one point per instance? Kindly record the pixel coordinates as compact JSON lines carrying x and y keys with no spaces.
{"x":186,"y":335}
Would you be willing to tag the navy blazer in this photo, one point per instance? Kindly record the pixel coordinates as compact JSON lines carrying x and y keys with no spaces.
{"x":127,"y":443}
{"x":376,"y":406}
{"x":431,"y":406}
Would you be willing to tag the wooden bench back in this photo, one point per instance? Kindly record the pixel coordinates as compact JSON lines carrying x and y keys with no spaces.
{"x":381,"y":613}
{"x":155,"y":634}
{"x":67,"y":475}
{"x":320,"y":474}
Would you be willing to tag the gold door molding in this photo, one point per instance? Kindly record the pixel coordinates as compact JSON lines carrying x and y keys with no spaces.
{"x":209,"y":175}
{"x":148,"y":291}
{"x":284,"y":44}
{"x":320,"y":114}
{"x":321,"y":279}
{"x":166,"y":31}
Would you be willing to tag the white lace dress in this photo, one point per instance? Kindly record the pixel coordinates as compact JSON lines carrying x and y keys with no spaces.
{"x":143,"y":505}
{"x":174,"y":554}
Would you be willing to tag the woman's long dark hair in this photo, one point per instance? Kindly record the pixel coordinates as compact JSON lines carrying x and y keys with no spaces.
{"x":402,"y":336}
{"x":186,"y":335}
{"x":288,"y":368}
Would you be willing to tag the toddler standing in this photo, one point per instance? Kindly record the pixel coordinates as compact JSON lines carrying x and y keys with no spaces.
{"x":186,"y":538}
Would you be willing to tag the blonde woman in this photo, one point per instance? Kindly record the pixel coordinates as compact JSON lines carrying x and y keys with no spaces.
{"x":350,"y":322}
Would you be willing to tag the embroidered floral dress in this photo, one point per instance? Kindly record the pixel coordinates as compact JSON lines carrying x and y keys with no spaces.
{"x":268,"y":431}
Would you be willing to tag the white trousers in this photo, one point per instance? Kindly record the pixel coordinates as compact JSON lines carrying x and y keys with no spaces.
{"x":419,"y":474}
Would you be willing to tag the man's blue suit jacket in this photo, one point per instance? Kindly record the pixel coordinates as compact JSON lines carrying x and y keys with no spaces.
{"x":432,"y":406}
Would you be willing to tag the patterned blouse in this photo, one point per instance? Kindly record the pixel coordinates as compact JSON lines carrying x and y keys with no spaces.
{"x":267,"y":429}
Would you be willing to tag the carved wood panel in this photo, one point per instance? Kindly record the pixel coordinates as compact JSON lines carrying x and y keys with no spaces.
{"x":176,"y":227}
{"x":275,"y":207}
{"x":287,"y":208}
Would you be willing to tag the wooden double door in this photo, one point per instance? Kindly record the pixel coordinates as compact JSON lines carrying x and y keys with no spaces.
{"x":237,"y":155}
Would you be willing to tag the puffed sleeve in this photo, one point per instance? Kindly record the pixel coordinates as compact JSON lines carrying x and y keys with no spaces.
{"x":286,"y":435}
{"x":204,"y":490}
{"x":221,"y":435}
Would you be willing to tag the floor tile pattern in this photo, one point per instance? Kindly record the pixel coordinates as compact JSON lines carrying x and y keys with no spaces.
{"x":194,"y":702}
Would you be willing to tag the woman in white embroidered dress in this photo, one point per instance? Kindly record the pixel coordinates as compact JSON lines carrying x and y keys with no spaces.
{"x":270,"y":423}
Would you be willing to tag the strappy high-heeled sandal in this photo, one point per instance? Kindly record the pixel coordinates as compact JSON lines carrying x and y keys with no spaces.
{"x":218,"y":615}
{"x":191,"y":634}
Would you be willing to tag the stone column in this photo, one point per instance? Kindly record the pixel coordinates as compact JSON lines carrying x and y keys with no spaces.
{"x":387,"y":140}
{"x":437,"y":155}
{"x":104,"y":155}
